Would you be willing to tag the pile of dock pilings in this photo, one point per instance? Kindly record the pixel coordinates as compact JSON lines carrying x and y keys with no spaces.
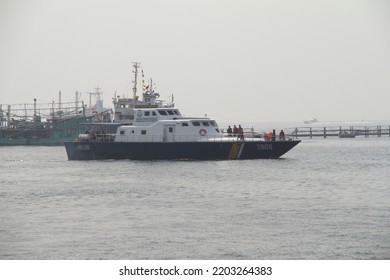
{"x":330,"y":131}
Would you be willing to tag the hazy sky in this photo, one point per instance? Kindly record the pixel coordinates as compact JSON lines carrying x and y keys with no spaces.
{"x":239,"y":61}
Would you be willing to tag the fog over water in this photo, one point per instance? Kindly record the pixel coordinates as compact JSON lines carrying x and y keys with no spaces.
{"x":249,"y":60}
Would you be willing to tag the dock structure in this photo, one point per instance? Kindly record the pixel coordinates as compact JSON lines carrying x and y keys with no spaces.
{"x":331,"y":131}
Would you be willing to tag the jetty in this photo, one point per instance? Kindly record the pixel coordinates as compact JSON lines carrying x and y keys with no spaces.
{"x":332,"y":131}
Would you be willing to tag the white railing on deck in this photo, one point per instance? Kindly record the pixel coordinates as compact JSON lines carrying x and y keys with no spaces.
{"x":170,"y":138}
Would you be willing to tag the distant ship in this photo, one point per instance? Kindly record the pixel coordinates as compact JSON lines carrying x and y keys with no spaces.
{"x":311,"y":121}
{"x":45,"y":123}
{"x":54,"y":123}
{"x":347,"y":134}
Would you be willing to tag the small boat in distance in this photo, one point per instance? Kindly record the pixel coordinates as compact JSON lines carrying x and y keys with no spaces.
{"x":347,"y":134}
{"x":311,"y":121}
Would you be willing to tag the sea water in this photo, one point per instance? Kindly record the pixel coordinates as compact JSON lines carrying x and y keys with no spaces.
{"x":325,"y":199}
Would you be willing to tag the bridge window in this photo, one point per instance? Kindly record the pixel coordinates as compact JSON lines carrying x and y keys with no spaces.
{"x":206,"y":123}
{"x":196,"y":123}
{"x":154,"y":113}
{"x":162,"y":112}
{"x":184,"y":124}
{"x":170,"y":112}
{"x":147,"y":113}
{"x":143,"y":132}
{"x":121,"y":132}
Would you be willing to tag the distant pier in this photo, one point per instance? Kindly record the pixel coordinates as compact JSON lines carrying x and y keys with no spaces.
{"x":331,"y":131}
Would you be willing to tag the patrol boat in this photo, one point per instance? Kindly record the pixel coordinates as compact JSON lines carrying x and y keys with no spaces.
{"x":164,"y":133}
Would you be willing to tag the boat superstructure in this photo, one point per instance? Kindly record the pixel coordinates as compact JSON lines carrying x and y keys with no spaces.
{"x":164,"y":125}
{"x":125,"y":107}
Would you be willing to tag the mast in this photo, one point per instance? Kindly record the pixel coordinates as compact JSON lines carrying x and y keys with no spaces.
{"x":59,"y":104}
{"x":35,"y":107}
{"x":77,"y":102}
{"x":99,"y":102}
{"x":136,"y":65}
{"x":90,"y":99}
{"x":9,"y":116}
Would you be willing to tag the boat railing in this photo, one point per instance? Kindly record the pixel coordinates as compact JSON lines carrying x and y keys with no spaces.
{"x":172,"y":138}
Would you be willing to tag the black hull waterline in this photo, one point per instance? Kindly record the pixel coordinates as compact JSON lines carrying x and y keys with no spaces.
{"x":178,"y":150}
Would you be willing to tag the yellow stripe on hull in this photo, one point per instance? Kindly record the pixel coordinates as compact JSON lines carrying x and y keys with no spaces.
{"x":234,"y":150}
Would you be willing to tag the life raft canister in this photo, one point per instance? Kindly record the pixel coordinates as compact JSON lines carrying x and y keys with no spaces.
{"x":202,"y":132}
{"x":268,"y":135}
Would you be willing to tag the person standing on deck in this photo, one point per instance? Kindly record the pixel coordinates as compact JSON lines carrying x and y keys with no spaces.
{"x":229,"y":131}
{"x":235,"y":130}
{"x":240,"y":133}
{"x":281,"y":135}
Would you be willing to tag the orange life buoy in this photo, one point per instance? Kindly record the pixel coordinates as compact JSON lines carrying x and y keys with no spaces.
{"x":202,"y":132}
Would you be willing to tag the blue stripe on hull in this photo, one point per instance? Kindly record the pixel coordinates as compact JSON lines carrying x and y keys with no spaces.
{"x":183,"y":150}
